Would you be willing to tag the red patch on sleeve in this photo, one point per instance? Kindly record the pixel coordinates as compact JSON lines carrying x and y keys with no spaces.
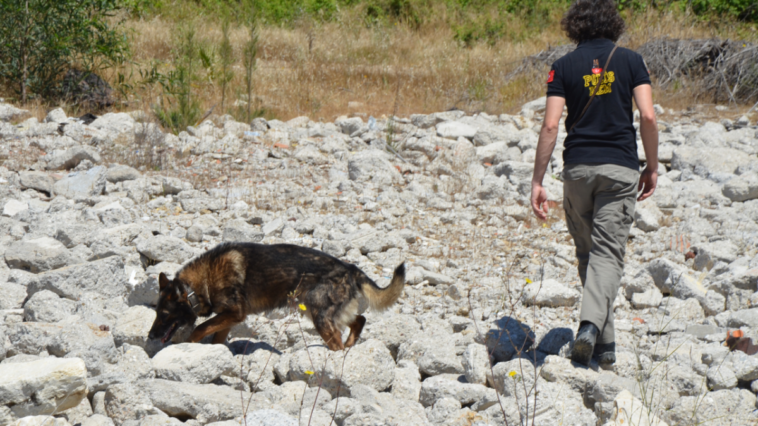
{"x":551,"y":76}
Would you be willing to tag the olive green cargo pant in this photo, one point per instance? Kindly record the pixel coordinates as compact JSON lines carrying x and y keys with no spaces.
{"x":599,"y":201}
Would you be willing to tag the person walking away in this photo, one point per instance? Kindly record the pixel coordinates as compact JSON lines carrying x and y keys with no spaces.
{"x":601,"y":178}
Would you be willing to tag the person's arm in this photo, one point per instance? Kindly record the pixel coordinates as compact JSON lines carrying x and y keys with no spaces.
{"x":643,"y":97}
{"x":545,"y":146}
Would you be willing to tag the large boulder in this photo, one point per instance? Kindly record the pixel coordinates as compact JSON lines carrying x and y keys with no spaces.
{"x":133,"y":326}
{"x":162,"y":248}
{"x":72,"y":234}
{"x":86,"y":341}
{"x":407,"y":381}
{"x":735,"y":406}
{"x":745,"y":367}
{"x":455,"y":130}
{"x":721,"y":377}
{"x":531,"y":107}
{"x":393,"y":331}
{"x":372,"y":165}
{"x":744,"y":318}
{"x":310,"y":154}
{"x":648,"y":216}
{"x":41,"y":387}
{"x":269,"y":418}
{"x":515,"y":171}
{"x":114,"y":124}
{"x":379,"y":408}
{"x":82,"y":184}
{"x":9,"y":112}
{"x":193,"y":362}
{"x":70,"y":158}
{"x":239,"y":230}
{"x":125,"y":402}
{"x":121,"y":173}
{"x":31,"y":337}
{"x":131,"y":364}
{"x":14,"y":295}
{"x":349,"y":126}
{"x":708,"y":161}
{"x":446,"y":386}
{"x":549,"y":293}
{"x":514,"y":377}
{"x":37,"y":255}
{"x":710,"y":253}
{"x":40,"y":181}
{"x":199,"y":204}
{"x":46,"y":306}
{"x":742,"y":188}
{"x":41,"y":421}
{"x":497,"y":153}
{"x":104,"y":278}
{"x":476,"y":363}
{"x":433,"y":350}
{"x":205,"y":403}
{"x":13,"y":207}
{"x":369,"y":363}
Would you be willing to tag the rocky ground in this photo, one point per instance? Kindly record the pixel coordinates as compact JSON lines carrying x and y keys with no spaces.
{"x":481,"y":334}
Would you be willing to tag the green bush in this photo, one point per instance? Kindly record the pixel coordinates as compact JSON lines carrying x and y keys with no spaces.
{"x":742,"y":9}
{"x":180,"y":107}
{"x":41,"y":39}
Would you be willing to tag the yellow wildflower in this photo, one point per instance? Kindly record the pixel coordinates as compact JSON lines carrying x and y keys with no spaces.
{"x":301,"y":306}
{"x":512,"y":373}
{"x":309,"y":372}
{"x":528,"y":281}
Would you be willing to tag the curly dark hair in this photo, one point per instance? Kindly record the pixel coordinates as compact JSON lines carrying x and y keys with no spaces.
{"x":591,"y":19}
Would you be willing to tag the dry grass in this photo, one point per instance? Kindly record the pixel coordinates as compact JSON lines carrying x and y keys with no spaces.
{"x":343,"y":67}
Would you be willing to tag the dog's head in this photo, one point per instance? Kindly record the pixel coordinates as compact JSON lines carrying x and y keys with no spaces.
{"x":174,"y":309}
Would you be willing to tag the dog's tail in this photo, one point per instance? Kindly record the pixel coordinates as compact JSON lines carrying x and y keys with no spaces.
{"x":382,"y":298}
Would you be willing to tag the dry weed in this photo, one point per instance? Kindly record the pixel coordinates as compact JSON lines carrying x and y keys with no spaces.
{"x":324,"y":70}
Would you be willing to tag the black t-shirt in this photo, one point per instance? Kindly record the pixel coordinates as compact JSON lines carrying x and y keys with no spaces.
{"x":605,"y":134}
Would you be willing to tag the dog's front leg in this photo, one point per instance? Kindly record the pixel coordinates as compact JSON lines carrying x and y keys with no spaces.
{"x":221,"y":322}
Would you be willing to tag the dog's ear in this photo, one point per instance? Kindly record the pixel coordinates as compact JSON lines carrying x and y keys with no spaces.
{"x":162,"y":281}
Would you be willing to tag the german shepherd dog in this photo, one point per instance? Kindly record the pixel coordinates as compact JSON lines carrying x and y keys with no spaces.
{"x":234,"y":280}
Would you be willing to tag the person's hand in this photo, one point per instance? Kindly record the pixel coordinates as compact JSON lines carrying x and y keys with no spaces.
{"x":539,"y":200}
{"x":648,"y":182}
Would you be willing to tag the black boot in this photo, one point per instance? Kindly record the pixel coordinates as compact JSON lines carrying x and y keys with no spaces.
{"x":584,"y":343}
{"x":606,"y":353}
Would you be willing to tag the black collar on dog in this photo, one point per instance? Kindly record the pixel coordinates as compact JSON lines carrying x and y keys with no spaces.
{"x":194,"y":302}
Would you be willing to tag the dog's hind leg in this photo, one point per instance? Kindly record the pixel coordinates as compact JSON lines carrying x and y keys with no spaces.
{"x":220,"y":336}
{"x":220,"y":323}
{"x":355,"y":330}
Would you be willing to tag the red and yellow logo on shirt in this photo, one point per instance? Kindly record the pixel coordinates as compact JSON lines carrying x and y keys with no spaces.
{"x":593,"y":79}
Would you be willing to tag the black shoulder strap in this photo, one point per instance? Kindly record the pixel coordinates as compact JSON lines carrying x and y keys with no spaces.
{"x":594,"y":92}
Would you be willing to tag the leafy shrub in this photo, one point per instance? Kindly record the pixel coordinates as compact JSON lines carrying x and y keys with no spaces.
{"x":742,"y":9}
{"x":42,"y":39}
{"x":181,"y":108}
{"x":226,"y":56}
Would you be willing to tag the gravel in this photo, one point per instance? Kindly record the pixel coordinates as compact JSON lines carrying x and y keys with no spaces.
{"x":492,"y":296}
